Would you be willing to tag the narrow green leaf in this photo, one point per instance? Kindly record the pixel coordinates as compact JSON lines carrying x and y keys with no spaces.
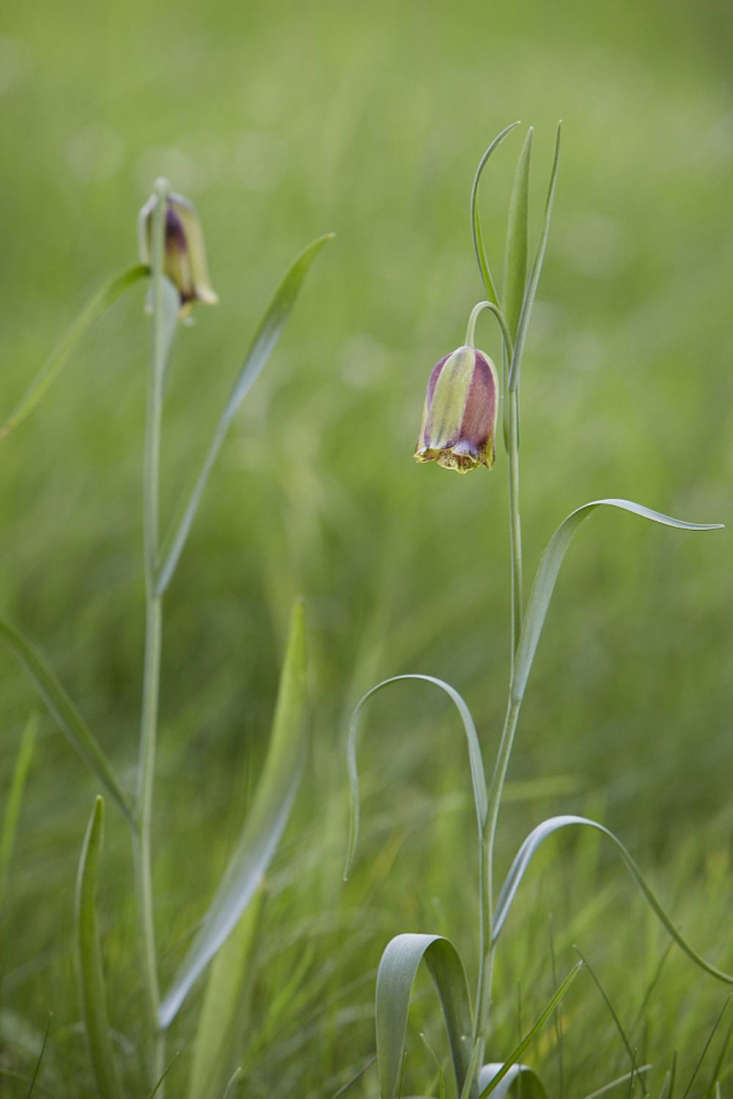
{"x":478,"y":778}
{"x":264,"y":824}
{"x":89,"y":956}
{"x":233,"y":1086}
{"x":55,"y":363}
{"x":478,"y":242}
{"x":264,"y":341}
{"x":14,"y":799}
{"x":705,"y":1049}
{"x":395,"y":978}
{"x":549,"y":567}
{"x":534,"y":277}
{"x":515,"y":258}
{"x":492,"y":1084}
{"x":672,"y":1076}
{"x":524,"y":856}
{"x":225,"y":991}
{"x":720,"y":1059}
{"x":528,"y":1083}
{"x":614,"y":1015}
{"x":625,"y":1079}
{"x":64,"y":712}
{"x":39,"y":1059}
{"x":354,"y":1079}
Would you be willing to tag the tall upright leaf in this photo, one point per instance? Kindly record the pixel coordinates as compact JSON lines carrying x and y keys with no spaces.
{"x":534,"y":275}
{"x":264,"y":824}
{"x":478,"y":241}
{"x":515,"y":258}
{"x":264,"y":340}
{"x":89,"y":957}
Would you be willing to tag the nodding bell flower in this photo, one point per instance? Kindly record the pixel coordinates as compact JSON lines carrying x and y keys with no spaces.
{"x":185,"y":255}
{"x":461,"y":404}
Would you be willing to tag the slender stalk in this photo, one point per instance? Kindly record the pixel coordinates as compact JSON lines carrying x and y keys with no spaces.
{"x":486,"y":894}
{"x":153,"y":636}
{"x":515,"y":522}
{"x":488,"y":833}
{"x":474,"y":315}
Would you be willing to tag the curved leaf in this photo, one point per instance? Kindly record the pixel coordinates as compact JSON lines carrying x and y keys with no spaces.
{"x":395,"y":978}
{"x":53,"y":366}
{"x":534,"y":277}
{"x":475,"y":759}
{"x":478,"y":243}
{"x":65,"y":713}
{"x":515,"y":259}
{"x":264,"y":340}
{"x":91,"y":976}
{"x":549,"y":567}
{"x":524,"y":856}
{"x":529,"y":1087}
{"x":264,"y":824}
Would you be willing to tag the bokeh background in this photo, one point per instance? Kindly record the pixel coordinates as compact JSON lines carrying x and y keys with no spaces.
{"x":282,"y":121}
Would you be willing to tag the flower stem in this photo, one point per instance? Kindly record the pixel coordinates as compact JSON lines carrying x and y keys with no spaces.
{"x":474,"y":315}
{"x":487,"y":839}
{"x":515,"y":522}
{"x":153,"y":636}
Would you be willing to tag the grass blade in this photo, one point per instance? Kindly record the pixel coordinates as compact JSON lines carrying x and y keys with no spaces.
{"x":705,"y":1048}
{"x":493,"y":1083}
{"x":515,"y":259}
{"x":534,"y":277}
{"x":39,"y":1059}
{"x":395,"y":978}
{"x":524,"y":856}
{"x":616,"y":1022}
{"x":89,"y":955}
{"x":625,"y":1079}
{"x":64,"y":713}
{"x":549,"y":567}
{"x":720,"y":1059}
{"x":58,"y":358}
{"x":234,"y":1081}
{"x":264,"y":824}
{"x":264,"y":341}
{"x":225,"y":990}
{"x":478,"y":242}
{"x":478,"y":778}
{"x":15,"y":797}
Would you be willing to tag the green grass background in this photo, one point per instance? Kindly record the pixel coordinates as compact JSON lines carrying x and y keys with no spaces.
{"x":283,"y":121}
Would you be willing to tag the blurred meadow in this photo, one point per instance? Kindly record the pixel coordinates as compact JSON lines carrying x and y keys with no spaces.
{"x":283,"y":121}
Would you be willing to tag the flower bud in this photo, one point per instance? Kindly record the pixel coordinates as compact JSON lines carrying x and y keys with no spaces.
{"x":461,"y":404}
{"x":185,"y":255}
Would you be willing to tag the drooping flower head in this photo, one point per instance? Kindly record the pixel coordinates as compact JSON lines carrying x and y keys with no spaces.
{"x":185,"y":255}
{"x":461,"y":405}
